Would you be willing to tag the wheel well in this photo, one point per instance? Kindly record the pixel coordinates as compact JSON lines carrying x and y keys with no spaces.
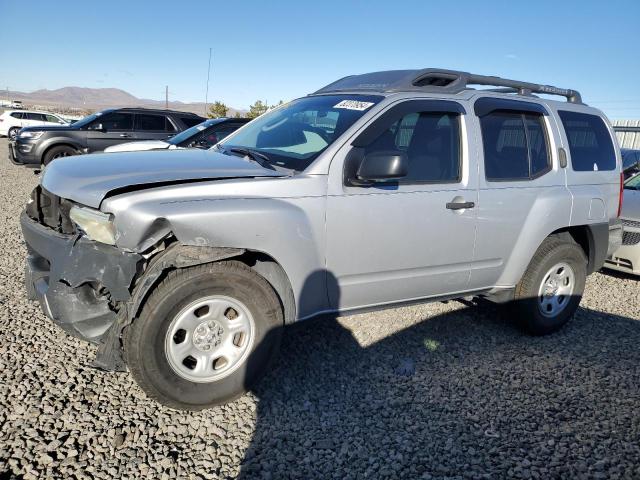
{"x":44,"y":154}
{"x":580,"y":234}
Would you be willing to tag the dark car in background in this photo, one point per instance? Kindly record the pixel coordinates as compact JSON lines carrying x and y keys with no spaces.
{"x":630,"y":162}
{"x":203,"y":135}
{"x":37,"y":146}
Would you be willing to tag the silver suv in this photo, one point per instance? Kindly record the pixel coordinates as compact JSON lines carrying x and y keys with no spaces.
{"x":377,"y":190}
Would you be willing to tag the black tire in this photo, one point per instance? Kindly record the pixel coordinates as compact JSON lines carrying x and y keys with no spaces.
{"x":13,"y":133}
{"x":144,"y":339}
{"x":58,"y":152}
{"x":527,"y":301}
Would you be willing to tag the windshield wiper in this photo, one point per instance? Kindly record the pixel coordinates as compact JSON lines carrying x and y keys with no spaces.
{"x":258,"y":157}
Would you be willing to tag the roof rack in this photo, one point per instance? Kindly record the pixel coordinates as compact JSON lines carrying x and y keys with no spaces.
{"x":437,"y":80}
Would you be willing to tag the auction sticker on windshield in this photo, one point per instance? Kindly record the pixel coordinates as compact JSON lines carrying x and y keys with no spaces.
{"x":353,"y":105}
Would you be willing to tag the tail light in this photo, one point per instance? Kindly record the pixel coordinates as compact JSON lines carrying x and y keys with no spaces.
{"x":620,"y":194}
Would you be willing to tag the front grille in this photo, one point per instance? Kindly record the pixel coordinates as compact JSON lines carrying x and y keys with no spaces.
{"x":50,"y":210}
{"x":630,"y":238}
{"x":630,"y":223}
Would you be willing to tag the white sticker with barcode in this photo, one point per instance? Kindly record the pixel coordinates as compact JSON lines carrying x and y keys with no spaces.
{"x":353,"y":105}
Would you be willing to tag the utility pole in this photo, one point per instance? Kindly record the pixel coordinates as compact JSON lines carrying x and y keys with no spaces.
{"x":166,"y":97}
{"x":206,"y":95}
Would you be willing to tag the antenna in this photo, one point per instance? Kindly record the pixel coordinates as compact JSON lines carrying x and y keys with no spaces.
{"x":206,"y":95}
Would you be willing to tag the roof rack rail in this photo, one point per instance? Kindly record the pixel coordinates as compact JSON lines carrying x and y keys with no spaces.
{"x":442,"y":81}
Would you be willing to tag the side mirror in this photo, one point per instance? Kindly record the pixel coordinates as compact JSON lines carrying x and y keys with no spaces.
{"x":383,"y":166}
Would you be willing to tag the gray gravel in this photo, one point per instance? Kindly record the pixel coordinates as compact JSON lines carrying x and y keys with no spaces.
{"x":432,"y":391}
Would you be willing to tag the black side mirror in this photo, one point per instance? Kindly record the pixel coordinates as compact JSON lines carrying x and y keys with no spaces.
{"x":383,"y":166}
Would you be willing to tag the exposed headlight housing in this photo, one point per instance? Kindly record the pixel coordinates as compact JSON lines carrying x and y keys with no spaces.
{"x":30,"y":134}
{"x":96,"y":225}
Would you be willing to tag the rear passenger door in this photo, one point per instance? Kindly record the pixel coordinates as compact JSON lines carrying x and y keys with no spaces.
{"x":402,"y":240}
{"x":521,"y":191}
{"x":149,"y":126}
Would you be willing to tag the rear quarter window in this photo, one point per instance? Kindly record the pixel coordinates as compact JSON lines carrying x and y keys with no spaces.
{"x":590,"y":144}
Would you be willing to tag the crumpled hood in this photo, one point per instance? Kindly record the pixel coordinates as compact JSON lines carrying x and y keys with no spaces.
{"x":87,"y":179}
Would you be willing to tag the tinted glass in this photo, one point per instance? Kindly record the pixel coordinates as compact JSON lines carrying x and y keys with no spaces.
{"x":431,"y":142}
{"x":116,"y":121}
{"x":34,"y":116}
{"x":505,"y":146}
{"x":190,"y":121}
{"x":590,"y":144}
{"x":515,"y":145}
{"x":292,"y":136}
{"x":538,"y":148}
{"x":168,"y":126}
{"x":154,"y":123}
{"x":16,"y":114}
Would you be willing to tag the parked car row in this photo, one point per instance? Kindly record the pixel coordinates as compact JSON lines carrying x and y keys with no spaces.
{"x":377,"y":190}
{"x":11,"y":121}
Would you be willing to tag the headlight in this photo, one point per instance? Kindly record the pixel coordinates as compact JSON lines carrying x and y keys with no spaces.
{"x":96,"y":225}
{"x":30,"y":134}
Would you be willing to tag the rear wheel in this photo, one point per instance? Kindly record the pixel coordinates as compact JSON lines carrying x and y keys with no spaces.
{"x":552,"y":286}
{"x":205,"y":336}
{"x":13,"y":133}
{"x":58,"y":152}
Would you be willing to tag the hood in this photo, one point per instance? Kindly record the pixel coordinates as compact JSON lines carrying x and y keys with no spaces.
{"x":138,"y":146}
{"x":87,"y":179}
{"x":631,"y":205}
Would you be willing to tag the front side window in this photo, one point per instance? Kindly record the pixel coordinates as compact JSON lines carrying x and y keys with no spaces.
{"x":34,"y":116}
{"x":116,"y":121}
{"x":294,"y":135}
{"x":52,"y":119}
{"x":590,"y":144}
{"x":515,"y":145}
{"x":431,"y":141}
{"x":150,"y":123}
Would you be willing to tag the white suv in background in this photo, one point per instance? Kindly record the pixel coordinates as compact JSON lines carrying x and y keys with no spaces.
{"x":11,"y":121}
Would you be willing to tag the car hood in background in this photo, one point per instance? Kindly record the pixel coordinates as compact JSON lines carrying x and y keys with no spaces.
{"x":87,"y":179}
{"x":138,"y":146}
{"x":631,"y":205}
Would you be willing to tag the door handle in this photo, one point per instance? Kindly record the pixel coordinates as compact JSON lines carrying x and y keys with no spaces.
{"x":125,"y":135}
{"x":460,"y":205}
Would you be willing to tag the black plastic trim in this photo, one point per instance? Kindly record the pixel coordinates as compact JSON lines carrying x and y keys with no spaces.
{"x":486,"y":105}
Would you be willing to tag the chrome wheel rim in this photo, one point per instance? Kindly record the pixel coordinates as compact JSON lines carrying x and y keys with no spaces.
{"x":13,"y":134}
{"x":556,"y":289}
{"x":209,"y":338}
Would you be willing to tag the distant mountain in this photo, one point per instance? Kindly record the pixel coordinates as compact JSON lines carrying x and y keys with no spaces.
{"x":99,"y":98}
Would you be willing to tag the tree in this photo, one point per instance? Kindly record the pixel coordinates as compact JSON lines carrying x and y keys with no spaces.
{"x":217,"y":110}
{"x":257,"y":109}
{"x":238,"y":115}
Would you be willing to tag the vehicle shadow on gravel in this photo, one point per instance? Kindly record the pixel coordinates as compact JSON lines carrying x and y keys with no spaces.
{"x":462,"y":394}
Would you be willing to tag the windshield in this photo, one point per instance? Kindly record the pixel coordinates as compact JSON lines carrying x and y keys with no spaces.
{"x":190,"y":132}
{"x":295,"y":134}
{"x":87,"y":120}
{"x":633,"y":183}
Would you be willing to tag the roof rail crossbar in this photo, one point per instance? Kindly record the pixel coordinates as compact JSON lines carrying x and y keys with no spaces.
{"x":441,"y":81}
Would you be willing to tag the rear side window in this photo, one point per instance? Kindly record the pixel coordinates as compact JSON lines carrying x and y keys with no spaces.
{"x":590,"y":144}
{"x":431,"y":141}
{"x":190,"y":121}
{"x":16,"y":114}
{"x":153,"y":123}
{"x":515,"y":146}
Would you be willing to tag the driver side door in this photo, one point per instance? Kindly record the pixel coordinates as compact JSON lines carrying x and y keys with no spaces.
{"x":398,"y":241}
{"x":110,"y":129}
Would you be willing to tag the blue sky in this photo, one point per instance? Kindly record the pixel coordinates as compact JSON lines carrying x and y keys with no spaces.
{"x":282,"y":50}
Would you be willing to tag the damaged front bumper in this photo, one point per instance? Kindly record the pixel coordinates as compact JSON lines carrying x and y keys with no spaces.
{"x":78,"y":282}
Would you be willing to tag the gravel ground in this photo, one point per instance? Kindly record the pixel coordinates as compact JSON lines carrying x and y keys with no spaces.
{"x":431,"y":391}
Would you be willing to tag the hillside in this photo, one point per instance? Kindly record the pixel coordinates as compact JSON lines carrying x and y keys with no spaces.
{"x":99,"y":98}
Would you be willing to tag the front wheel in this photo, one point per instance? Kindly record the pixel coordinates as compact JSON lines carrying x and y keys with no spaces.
{"x":552,"y":286}
{"x":13,"y":133}
{"x":58,"y":152}
{"x":205,"y":336}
